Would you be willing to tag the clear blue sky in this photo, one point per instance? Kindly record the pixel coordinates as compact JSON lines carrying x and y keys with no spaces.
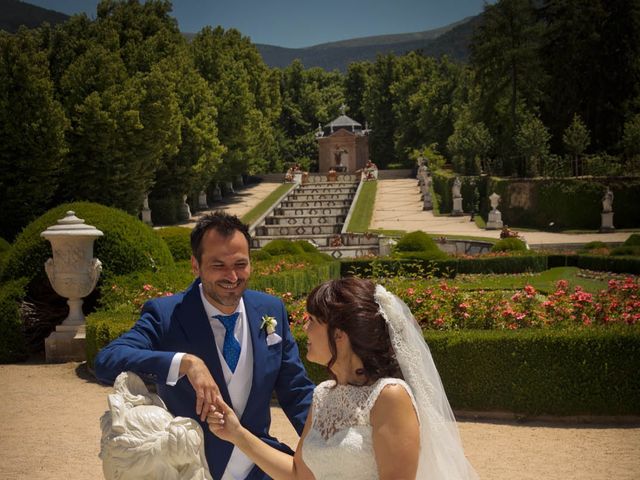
{"x":303,"y":23}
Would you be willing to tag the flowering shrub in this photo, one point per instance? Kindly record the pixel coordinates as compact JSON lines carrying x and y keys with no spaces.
{"x":138,"y":298}
{"x":280,"y":266}
{"x":446,"y":307}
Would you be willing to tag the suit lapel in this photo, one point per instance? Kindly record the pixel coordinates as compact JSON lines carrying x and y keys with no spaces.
{"x":197,"y":329}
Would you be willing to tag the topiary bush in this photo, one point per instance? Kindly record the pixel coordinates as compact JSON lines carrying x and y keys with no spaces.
{"x":306,"y":246}
{"x":626,"y":250}
{"x":416,"y":242}
{"x":260,"y":255}
{"x":178,"y":239}
{"x":282,"y":247}
{"x":4,"y":251}
{"x":597,"y":245}
{"x":509,"y":245}
{"x":4,"y":246}
{"x":128,"y":244}
{"x":633,"y":240}
{"x":13,"y":346}
{"x":417,"y":245}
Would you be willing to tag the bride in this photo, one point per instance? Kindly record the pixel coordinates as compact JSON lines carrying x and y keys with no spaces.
{"x":383,"y":415}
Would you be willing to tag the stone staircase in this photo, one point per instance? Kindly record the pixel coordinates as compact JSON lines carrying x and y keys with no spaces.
{"x":317,"y":211}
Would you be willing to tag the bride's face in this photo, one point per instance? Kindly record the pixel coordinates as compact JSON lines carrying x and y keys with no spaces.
{"x":318,"y":350}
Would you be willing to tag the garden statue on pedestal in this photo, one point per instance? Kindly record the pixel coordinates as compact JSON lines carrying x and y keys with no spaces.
{"x":427,"y":203}
{"x":495,"y":216}
{"x":607,"y":212}
{"x":146,"y":211}
{"x":141,"y":440}
{"x":185,"y":211}
{"x":457,"y":197}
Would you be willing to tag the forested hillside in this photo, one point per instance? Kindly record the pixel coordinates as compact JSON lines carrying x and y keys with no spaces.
{"x":112,"y":108}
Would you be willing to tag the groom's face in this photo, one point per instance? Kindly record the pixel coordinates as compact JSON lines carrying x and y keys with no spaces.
{"x":224,"y":269}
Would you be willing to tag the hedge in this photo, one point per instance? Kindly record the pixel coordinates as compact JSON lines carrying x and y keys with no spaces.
{"x":533,"y":372}
{"x":178,"y":239}
{"x":570,"y":203}
{"x":127,"y":245}
{"x":568,"y":372}
{"x":297,"y":282}
{"x":605,"y":263}
{"x":447,"y":268}
{"x":103,"y":327}
{"x":13,"y":345}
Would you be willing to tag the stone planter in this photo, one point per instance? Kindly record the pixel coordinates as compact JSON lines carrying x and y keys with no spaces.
{"x":73,"y":273}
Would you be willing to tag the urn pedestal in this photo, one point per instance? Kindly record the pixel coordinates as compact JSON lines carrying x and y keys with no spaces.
{"x":457,"y":207}
{"x":73,"y":273}
{"x":607,"y":222}
{"x":495,"y":220}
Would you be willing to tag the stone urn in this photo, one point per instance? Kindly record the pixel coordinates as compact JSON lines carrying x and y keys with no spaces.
{"x":73,"y":273}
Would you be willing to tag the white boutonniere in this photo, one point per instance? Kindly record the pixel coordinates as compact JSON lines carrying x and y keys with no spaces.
{"x":269,"y":324}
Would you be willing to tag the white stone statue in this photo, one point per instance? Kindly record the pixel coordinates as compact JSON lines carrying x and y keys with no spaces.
{"x":607,"y":201}
{"x":494,"y":198}
{"x":455,"y":190}
{"x":141,"y":440}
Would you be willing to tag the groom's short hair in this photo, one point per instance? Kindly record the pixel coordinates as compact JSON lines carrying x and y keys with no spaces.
{"x":221,"y":222}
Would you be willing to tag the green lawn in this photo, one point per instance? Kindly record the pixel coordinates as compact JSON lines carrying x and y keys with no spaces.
{"x":363,"y":211}
{"x":544,"y":281}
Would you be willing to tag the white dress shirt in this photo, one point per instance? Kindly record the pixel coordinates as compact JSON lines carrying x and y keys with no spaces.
{"x":238,"y":382}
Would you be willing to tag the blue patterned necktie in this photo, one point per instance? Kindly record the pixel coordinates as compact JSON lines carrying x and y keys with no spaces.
{"x":231,"y":347}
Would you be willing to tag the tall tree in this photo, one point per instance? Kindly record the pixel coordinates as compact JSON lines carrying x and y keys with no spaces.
{"x":32,"y":126}
{"x":592,"y":53}
{"x":379,"y":101}
{"x":505,"y":55}
{"x":576,"y":139}
{"x":356,"y":82}
{"x":532,"y":142}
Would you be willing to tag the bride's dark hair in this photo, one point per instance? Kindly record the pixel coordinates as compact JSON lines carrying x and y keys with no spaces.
{"x":349,"y":305}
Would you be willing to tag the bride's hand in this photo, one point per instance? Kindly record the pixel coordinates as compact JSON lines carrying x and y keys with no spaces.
{"x":223,"y":422}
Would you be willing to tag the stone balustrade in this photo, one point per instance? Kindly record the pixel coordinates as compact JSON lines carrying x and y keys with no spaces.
{"x":309,"y":219}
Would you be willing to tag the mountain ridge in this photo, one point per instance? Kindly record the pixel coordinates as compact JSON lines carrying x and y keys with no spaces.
{"x":451,"y":40}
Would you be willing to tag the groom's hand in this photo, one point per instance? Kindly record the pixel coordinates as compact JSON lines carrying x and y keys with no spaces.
{"x":207,"y":391}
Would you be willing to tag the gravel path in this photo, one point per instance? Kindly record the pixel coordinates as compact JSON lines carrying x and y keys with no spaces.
{"x":51,"y":431}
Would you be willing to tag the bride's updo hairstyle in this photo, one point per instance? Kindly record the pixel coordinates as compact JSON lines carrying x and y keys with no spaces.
{"x":349,"y":305}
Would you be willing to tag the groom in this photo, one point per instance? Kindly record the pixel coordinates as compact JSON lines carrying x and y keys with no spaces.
{"x":217,"y":339}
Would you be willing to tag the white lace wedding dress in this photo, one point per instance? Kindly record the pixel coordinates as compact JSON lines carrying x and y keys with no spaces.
{"x":340,"y":444}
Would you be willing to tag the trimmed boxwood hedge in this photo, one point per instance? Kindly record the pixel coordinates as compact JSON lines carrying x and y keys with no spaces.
{"x":103,"y":327}
{"x":297,"y":282}
{"x":127,"y":245}
{"x":559,"y":372}
{"x":528,"y":372}
{"x":509,"y":245}
{"x":13,"y":346}
{"x":178,"y":239}
{"x":447,"y":268}
{"x":533,"y":372}
{"x":603,"y":263}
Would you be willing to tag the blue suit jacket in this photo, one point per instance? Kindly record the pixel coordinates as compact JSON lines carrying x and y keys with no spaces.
{"x":179,"y":324}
